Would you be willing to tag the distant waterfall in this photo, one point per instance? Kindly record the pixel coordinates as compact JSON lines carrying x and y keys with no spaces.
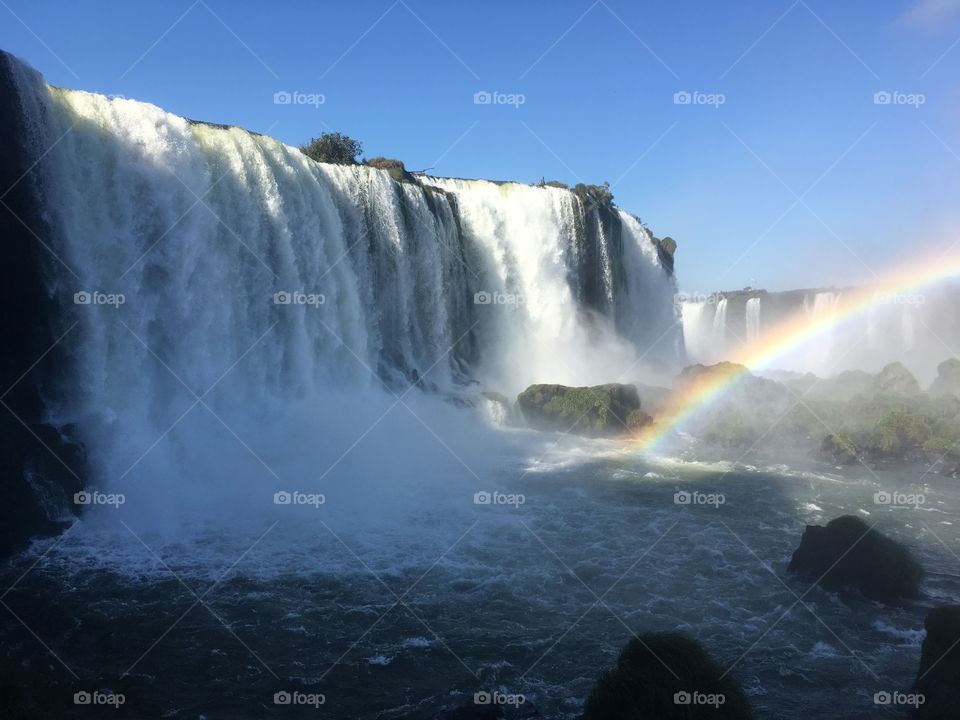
{"x":753,"y":319}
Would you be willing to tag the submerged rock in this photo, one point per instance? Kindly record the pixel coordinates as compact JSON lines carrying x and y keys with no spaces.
{"x":947,"y":381}
{"x":848,"y":553}
{"x":597,"y":411}
{"x":665,"y":676}
{"x":938,"y":678}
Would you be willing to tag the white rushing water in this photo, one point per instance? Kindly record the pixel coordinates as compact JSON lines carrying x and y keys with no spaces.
{"x":261,"y":289}
{"x":753,"y":319}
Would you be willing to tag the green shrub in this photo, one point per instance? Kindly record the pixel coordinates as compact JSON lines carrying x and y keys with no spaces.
{"x":333,"y":147}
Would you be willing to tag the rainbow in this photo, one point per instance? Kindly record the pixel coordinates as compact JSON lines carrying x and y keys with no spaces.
{"x":787,"y":336}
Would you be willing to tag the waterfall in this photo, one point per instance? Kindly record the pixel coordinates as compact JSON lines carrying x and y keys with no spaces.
{"x":753,"y":319}
{"x":192,"y":258}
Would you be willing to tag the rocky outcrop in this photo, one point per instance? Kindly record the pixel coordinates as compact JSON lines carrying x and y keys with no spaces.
{"x":895,"y":379}
{"x":40,"y":466}
{"x":838,"y":449}
{"x":597,"y":411}
{"x":938,"y":678}
{"x":849,"y":554}
{"x":947,"y":381}
{"x":665,"y":676}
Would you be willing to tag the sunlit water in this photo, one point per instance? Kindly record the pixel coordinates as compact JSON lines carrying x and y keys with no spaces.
{"x":402,"y":620}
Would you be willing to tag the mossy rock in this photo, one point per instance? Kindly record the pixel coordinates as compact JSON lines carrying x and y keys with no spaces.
{"x":839,"y":449}
{"x":938,"y":678}
{"x":600,"y":410}
{"x":849,"y":554}
{"x":395,"y":168}
{"x":661,"y":676}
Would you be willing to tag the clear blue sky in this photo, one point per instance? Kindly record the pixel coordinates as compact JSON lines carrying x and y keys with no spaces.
{"x":798,"y":81}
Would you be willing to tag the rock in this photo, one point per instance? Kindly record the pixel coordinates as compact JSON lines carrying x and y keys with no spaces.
{"x":895,"y":379}
{"x":475,"y":711}
{"x":838,"y":449}
{"x":848,"y":553}
{"x":938,"y":678}
{"x":637,"y":420}
{"x":947,"y":381}
{"x":642,"y":686}
{"x":597,"y":411}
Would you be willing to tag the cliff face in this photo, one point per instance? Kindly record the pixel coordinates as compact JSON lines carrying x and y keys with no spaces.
{"x":40,"y":466}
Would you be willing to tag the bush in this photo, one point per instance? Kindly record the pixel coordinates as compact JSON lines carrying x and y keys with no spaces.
{"x":557,"y":184}
{"x":333,"y":147}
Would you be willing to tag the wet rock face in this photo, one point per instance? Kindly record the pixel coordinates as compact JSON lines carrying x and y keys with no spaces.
{"x":40,"y":466}
{"x":665,"y":676}
{"x":848,"y":554}
{"x":947,"y":381}
{"x":597,"y":411}
{"x":938,"y":678}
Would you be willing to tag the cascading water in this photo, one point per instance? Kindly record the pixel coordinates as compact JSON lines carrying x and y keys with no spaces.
{"x":753,"y":319}
{"x":253,"y":278}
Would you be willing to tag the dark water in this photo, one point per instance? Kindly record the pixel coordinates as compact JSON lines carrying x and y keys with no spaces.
{"x":536,"y":599}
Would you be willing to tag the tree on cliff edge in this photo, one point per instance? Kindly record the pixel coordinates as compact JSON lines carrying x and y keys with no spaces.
{"x":333,"y":147}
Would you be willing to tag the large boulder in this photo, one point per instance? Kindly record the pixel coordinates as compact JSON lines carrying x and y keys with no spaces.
{"x":600,"y":410}
{"x":849,"y":554}
{"x":938,"y":678}
{"x":947,"y":381}
{"x":663,"y":676}
{"x":895,"y":379}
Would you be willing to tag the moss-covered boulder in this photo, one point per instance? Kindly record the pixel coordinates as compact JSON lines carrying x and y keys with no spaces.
{"x":947,"y":381}
{"x":642,"y":687}
{"x":895,"y":379}
{"x":849,"y":554}
{"x":395,"y":168}
{"x":597,"y":411}
{"x":938,"y":678}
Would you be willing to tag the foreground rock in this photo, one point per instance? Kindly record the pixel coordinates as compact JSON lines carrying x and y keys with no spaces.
{"x":938,"y":678}
{"x":642,"y":686}
{"x":597,"y":411}
{"x":849,"y":554}
{"x":947,"y":381}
